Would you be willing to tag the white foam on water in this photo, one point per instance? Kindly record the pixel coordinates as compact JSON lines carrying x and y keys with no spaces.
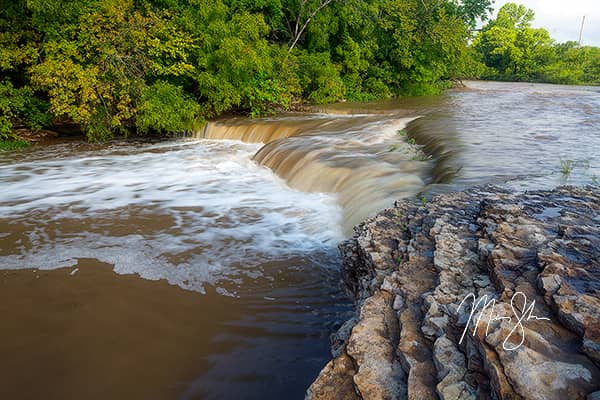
{"x":226,"y":214}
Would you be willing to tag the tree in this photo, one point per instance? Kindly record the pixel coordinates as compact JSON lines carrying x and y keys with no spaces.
{"x":470,"y":11}
{"x":511,"y":47}
{"x":117,"y":66}
{"x":301,"y":13}
{"x":96,"y":75}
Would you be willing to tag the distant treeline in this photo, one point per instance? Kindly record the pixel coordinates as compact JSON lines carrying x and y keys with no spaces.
{"x":122,"y":66}
{"x":509,"y":49}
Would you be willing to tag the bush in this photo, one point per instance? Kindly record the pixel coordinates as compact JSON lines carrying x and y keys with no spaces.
{"x":12,"y":144}
{"x":18,"y":105}
{"x":319,"y":78}
{"x":265,"y":95}
{"x":165,"y":108}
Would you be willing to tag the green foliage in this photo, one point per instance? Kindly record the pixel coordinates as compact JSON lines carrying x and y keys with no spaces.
{"x":566,"y":166}
{"x":167,"y":109}
{"x":13,"y":144}
{"x":511,"y":47}
{"x":320,"y":79}
{"x":121,"y":66}
{"x":265,"y":95}
{"x":6,"y":131}
{"x":428,"y":41}
{"x":512,"y":50}
{"x":420,"y":156}
{"x":573,"y":65}
{"x":472,"y":65}
{"x":19,"y":106}
{"x":473,"y":10}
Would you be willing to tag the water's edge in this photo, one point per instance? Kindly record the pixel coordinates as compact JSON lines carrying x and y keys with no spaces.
{"x":250,"y":213}
{"x":410,"y":267}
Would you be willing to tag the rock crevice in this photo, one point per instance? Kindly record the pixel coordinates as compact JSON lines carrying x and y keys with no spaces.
{"x":526,"y":266}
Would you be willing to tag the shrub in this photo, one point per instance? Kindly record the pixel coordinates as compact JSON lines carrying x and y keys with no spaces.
{"x":265,"y":95}
{"x":320,"y":78}
{"x":12,"y":144}
{"x":18,"y":105}
{"x":165,"y":108}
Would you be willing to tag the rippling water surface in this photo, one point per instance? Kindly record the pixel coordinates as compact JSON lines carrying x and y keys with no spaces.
{"x":224,"y":247}
{"x":260,"y":258}
{"x":519,"y":134}
{"x":189,"y":212}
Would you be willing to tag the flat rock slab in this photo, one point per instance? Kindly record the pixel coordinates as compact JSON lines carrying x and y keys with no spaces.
{"x":473,"y":295}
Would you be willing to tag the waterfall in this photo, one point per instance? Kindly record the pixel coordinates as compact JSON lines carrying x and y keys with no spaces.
{"x":367,"y":160}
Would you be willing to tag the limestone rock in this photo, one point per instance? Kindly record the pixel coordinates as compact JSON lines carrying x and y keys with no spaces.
{"x":474,"y":295}
{"x":334,"y":381}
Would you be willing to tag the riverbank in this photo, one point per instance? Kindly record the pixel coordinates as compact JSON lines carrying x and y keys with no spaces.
{"x":249,"y":213}
{"x":410,"y":267}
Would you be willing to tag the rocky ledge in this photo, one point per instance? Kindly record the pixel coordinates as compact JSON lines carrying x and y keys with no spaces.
{"x":527,"y":266}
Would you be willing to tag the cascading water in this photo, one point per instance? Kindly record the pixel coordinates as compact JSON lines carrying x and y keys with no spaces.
{"x":365,"y":159}
{"x":258,"y":261}
{"x":253,"y":226}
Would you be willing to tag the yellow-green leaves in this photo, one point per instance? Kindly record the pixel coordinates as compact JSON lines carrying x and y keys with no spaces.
{"x":120,"y":66}
{"x":166,"y":108}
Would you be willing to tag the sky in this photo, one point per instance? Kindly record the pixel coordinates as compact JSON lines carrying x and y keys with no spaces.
{"x":562,"y":18}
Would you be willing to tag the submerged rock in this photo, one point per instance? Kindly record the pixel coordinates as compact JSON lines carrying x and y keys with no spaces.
{"x":474,"y":295}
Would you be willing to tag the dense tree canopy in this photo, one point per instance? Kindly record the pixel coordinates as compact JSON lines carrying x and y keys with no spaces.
{"x":117,"y":66}
{"x":512,"y":50}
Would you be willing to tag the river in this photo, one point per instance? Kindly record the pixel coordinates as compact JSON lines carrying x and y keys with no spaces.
{"x":207,"y":267}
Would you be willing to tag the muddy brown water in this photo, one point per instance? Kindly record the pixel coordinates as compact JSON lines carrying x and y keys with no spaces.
{"x":207,"y":267}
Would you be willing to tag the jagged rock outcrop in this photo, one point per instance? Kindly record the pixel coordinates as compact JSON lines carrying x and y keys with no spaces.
{"x":473,"y":295}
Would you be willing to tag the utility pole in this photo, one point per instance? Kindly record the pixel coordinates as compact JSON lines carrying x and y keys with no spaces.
{"x":581,"y":30}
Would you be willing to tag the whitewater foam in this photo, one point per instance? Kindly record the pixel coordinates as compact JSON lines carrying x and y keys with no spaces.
{"x":191,"y":212}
